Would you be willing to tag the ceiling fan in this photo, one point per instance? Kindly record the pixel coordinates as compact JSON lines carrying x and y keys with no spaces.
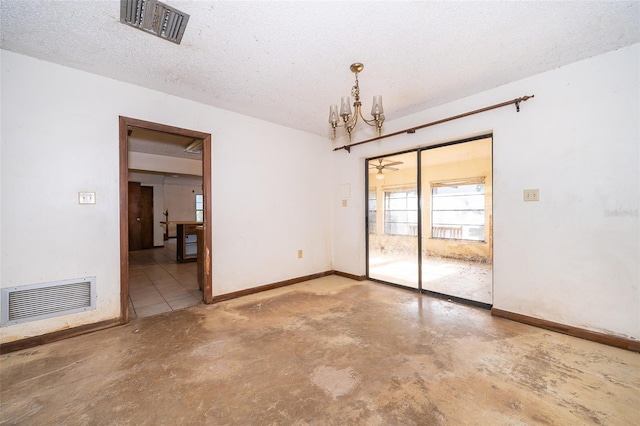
{"x":380,"y":166}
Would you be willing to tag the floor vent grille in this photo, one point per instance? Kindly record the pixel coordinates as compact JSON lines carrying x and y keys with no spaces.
{"x":154,"y":17}
{"x":46,"y":300}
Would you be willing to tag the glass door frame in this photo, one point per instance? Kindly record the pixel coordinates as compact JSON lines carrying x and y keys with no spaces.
{"x":418,"y":151}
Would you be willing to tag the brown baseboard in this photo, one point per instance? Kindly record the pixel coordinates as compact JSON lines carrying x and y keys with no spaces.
{"x":30,"y":342}
{"x":236,"y":294}
{"x":607,"y":339}
{"x":253,"y":290}
{"x":352,"y":276}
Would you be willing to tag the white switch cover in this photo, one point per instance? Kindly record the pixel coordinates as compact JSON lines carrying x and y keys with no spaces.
{"x":344,"y":203}
{"x":345,"y":190}
{"x":532,"y":195}
{"x":86,"y":197}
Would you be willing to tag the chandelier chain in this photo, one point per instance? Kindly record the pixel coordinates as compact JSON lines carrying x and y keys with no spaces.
{"x":355,"y":90}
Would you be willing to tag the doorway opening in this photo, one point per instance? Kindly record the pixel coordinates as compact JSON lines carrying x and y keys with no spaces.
{"x":151,"y":155}
{"x":430,"y":220}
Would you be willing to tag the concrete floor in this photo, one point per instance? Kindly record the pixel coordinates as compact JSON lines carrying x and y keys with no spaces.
{"x":453,"y":277}
{"x":326,"y":352}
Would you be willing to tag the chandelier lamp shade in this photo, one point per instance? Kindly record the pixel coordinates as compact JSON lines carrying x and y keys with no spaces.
{"x":350,"y":117}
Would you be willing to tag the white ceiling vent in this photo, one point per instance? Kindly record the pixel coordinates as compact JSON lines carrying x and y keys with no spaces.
{"x":154,"y":17}
{"x":46,"y":300}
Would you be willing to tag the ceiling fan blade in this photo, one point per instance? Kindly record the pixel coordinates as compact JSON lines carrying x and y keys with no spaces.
{"x":393,"y":164}
{"x":391,"y":168}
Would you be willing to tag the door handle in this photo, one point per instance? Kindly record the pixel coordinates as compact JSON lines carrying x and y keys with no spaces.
{"x":138,"y":219}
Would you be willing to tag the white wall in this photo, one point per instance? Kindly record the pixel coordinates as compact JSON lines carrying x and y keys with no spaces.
{"x":164,"y":164}
{"x":570,"y":258}
{"x":1,"y":144}
{"x":573,"y":257}
{"x":180,"y":202}
{"x":59,"y":135}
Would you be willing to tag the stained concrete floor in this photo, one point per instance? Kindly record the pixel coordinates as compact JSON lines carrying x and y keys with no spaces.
{"x":326,"y":352}
{"x":453,"y":277}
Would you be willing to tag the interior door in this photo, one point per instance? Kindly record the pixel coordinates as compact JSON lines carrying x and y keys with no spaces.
{"x":140,"y":216}
{"x":135,"y":241}
{"x":146,"y":217}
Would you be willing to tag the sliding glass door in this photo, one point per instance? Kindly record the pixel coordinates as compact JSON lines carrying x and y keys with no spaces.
{"x":456,"y":216}
{"x":430,"y":220}
{"x":392,"y":216}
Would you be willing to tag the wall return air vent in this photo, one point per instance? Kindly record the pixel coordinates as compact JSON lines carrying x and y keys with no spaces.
{"x":154,"y":17}
{"x":46,"y":300}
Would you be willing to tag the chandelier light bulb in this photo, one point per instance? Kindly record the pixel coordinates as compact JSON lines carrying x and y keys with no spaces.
{"x":333,"y":114}
{"x":376,"y":108}
{"x":345,"y":106}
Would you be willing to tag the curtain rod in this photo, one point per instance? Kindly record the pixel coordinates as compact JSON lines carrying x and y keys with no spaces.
{"x":444,"y":120}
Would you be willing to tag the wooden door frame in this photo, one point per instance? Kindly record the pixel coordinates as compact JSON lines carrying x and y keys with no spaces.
{"x":125,"y":123}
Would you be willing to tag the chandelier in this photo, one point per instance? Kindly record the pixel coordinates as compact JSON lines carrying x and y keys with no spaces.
{"x":349,"y":118}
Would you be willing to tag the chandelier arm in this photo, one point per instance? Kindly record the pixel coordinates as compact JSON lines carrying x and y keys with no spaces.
{"x":376,"y":122}
{"x":365,"y":120}
{"x":372,"y":122}
{"x":351,"y":121}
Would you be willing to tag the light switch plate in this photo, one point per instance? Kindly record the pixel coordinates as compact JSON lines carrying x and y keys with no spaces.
{"x":532,"y":195}
{"x":86,"y":197}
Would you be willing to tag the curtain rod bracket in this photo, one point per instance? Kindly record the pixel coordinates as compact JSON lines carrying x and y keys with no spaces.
{"x":444,"y":120}
{"x":522,"y":99}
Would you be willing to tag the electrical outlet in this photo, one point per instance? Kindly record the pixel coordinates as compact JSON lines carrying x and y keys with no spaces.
{"x":532,"y":195}
{"x":86,"y":197}
{"x":299,"y":254}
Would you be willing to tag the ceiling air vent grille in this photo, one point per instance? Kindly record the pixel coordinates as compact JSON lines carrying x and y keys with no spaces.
{"x":154,"y":17}
{"x":46,"y":300}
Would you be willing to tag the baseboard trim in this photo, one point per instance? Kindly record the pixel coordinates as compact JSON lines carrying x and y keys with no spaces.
{"x":31,"y":342}
{"x":606,"y":339}
{"x":352,"y":276}
{"x":253,"y":290}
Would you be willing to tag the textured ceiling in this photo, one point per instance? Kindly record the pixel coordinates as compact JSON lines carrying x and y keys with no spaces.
{"x":286,"y":62}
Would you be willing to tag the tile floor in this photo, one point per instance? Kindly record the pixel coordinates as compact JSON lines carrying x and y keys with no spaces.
{"x":158,"y":283}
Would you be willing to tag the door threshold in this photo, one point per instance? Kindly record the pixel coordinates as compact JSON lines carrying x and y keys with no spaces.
{"x":435,"y":294}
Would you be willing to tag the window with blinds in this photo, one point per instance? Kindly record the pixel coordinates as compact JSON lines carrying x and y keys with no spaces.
{"x":457,"y":209}
{"x":401,"y":212}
